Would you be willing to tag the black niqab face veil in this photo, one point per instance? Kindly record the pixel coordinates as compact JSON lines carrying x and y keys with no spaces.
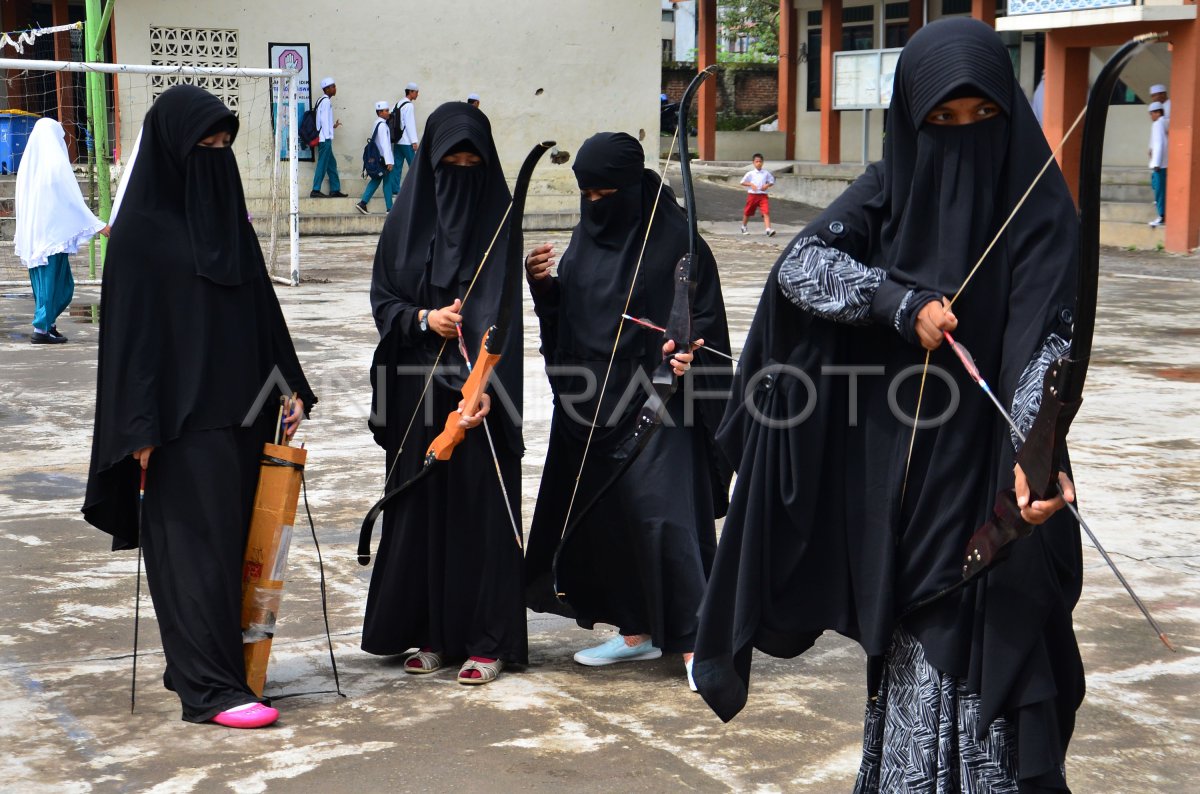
{"x":944,"y":184}
{"x":610,"y":160}
{"x":174,"y":175}
{"x":457,"y":193}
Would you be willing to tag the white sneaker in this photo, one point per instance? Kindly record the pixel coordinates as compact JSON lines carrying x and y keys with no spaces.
{"x":745,"y":230}
{"x":1157,"y":222}
{"x":769,"y":232}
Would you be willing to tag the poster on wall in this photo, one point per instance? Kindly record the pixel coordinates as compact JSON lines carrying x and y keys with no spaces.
{"x":290,"y":56}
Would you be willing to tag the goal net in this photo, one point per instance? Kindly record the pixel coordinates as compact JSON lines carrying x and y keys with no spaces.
{"x":31,"y":89}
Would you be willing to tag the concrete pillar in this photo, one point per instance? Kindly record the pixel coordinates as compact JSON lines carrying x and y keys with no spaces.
{"x":831,"y":120}
{"x":706,"y":106}
{"x":984,"y":11}
{"x":789,"y":38}
{"x":1066,"y":94}
{"x":1182,"y":231}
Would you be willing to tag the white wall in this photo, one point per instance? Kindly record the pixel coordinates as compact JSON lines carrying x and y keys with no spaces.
{"x":597,"y":65}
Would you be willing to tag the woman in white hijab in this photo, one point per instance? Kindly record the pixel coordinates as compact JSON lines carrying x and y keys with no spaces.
{"x":52,"y":221}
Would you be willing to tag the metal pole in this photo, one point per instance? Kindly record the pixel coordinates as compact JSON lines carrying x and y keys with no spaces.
{"x":93,"y":53}
{"x":294,"y":178}
{"x":866,"y":136}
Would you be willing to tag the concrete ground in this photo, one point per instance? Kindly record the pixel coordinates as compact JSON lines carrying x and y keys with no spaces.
{"x":66,"y":634}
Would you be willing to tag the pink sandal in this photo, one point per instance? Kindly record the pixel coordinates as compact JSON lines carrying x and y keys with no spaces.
{"x":253,"y":715}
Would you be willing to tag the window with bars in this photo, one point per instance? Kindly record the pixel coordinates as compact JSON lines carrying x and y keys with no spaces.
{"x":195,"y":47}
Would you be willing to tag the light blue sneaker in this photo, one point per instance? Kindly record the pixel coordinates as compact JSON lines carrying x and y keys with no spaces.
{"x":615,"y":650}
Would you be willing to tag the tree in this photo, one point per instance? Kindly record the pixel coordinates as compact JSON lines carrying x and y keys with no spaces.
{"x":758,"y":21}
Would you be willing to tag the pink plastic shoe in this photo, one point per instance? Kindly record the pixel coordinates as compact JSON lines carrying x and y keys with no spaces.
{"x":255,"y":715}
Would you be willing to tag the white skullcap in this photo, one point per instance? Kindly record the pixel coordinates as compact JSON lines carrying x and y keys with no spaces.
{"x":382,"y":105}
{"x":1154,"y":106}
{"x":1158,"y":88}
{"x":411,"y":87}
{"x":472,"y":97}
{"x":328,"y":81}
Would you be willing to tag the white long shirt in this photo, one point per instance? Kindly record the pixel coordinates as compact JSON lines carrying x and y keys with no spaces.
{"x":383,"y":139}
{"x":1158,"y":143}
{"x":408,"y":123}
{"x":757,"y":179}
{"x":325,"y":118}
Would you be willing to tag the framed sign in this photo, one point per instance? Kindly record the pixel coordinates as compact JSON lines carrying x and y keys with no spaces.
{"x":862,"y":79}
{"x":290,"y":56}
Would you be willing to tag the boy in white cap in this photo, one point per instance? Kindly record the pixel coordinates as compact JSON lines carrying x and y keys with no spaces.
{"x":1158,"y":160}
{"x":383,"y":140}
{"x":326,"y":163}
{"x":473,"y":100}
{"x":404,"y":134}
{"x":1158,"y":93}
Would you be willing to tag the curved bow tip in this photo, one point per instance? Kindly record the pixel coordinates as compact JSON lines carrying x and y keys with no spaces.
{"x":364,"y":559}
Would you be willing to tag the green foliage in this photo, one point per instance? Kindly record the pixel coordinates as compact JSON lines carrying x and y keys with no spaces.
{"x":758,"y":20}
{"x":733,"y":122}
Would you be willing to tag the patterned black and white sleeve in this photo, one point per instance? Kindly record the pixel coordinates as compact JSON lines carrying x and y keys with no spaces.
{"x":829,"y":283}
{"x":1027,"y":398}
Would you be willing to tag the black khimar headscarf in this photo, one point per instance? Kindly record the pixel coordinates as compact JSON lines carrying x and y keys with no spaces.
{"x":442,"y":223}
{"x":173,"y":175}
{"x":190,"y":327}
{"x":598,"y":265}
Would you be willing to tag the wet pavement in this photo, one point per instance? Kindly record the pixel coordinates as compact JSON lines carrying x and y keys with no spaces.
{"x":66,"y":634}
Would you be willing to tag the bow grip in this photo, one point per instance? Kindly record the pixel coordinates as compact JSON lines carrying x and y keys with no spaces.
{"x":1042,"y":454}
{"x":990,"y":543}
{"x":472,"y":391}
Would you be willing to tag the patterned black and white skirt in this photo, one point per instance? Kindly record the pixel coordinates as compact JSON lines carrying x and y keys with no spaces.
{"x":920,"y":733}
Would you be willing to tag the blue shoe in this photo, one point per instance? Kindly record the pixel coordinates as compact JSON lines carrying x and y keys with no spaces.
{"x":615,"y":650}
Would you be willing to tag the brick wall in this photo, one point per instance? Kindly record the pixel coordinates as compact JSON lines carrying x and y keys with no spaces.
{"x":749,"y":89}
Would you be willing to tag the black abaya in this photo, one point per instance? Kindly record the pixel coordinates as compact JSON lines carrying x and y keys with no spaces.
{"x":448,"y":570}
{"x":830,"y":526}
{"x":641,"y":557}
{"x":191,"y":336}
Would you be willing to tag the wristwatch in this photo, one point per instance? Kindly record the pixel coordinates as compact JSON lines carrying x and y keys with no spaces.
{"x":423,"y":319}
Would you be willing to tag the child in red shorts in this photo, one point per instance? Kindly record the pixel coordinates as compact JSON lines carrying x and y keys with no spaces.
{"x":757,"y":181}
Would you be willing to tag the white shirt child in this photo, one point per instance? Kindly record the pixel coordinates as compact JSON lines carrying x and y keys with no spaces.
{"x":759,"y":180}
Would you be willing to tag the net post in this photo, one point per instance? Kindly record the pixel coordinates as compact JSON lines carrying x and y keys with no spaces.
{"x":293,"y":180}
{"x":93,"y":53}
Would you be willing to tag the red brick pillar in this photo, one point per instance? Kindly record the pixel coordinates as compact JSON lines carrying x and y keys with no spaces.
{"x":984,"y":11}
{"x":1066,"y":93}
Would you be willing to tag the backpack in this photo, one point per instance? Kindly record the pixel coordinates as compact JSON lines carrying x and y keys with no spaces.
{"x":308,"y":133}
{"x":396,"y":122}
{"x":373,"y":163}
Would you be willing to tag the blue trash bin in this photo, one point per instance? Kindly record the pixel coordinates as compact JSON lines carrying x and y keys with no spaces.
{"x":15,"y":127}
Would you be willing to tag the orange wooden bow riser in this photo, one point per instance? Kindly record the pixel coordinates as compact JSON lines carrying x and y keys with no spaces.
{"x":472,"y":391}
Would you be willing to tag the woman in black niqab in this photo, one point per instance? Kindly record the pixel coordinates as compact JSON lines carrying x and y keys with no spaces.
{"x":447,"y":576}
{"x":640,"y":559}
{"x":191,"y":336}
{"x":834,"y":524}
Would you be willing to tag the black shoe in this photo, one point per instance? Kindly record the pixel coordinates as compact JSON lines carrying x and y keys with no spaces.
{"x":338,"y":194}
{"x":361,"y":207}
{"x":41,"y":338}
{"x":317,"y":194}
{"x":55,"y":335}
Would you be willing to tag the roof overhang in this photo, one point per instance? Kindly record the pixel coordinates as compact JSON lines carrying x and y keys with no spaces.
{"x":1097,"y":16}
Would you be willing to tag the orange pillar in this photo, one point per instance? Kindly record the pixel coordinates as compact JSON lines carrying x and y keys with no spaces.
{"x":64,"y":82}
{"x":706,"y":55}
{"x":1182,"y":232}
{"x":1066,"y":77}
{"x":916,"y":16}
{"x":789,"y":37}
{"x":831,"y":120}
{"x":984,"y":11}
